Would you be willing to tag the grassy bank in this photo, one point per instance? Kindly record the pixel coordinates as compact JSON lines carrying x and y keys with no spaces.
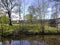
{"x":34,"y":28}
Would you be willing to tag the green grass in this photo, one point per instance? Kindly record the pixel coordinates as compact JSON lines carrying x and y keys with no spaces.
{"x":28,"y":27}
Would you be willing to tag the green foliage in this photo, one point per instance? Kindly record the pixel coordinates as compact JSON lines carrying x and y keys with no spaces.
{"x":30,"y":17}
{"x":34,"y":28}
{"x":4,"y":20}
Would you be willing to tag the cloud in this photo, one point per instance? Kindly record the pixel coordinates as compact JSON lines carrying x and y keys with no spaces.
{"x":15,"y":17}
{"x":49,"y":9}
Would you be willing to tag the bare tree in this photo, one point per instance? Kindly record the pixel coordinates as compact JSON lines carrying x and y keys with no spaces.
{"x":8,"y":5}
{"x":18,"y":9}
{"x":55,"y":14}
{"x":40,"y":11}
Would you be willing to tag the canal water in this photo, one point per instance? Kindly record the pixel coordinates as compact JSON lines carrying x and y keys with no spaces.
{"x":32,"y":40}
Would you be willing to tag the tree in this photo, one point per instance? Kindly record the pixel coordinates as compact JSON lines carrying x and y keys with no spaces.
{"x":40,"y":11}
{"x":30,"y":18}
{"x":18,"y":9}
{"x":8,"y":5}
{"x":4,"y":19}
{"x":55,"y":13}
{"x":31,"y":9}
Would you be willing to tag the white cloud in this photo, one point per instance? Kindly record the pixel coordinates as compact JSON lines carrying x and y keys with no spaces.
{"x":49,"y":9}
{"x":16,"y":17}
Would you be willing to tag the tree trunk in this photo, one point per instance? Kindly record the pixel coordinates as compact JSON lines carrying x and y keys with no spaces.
{"x":42,"y":26}
{"x":9,"y":15}
{"x":42,"y":29}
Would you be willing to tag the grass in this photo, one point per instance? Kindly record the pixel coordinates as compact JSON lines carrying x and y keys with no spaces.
{"x":27,"y":27}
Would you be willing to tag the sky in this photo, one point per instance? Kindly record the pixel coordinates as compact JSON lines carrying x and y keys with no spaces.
{"x":26,"y":4}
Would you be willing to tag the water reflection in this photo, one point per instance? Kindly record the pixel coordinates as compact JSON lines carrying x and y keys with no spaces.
{"x":22,"y":42}
{"x":33,"y":41}
{"x":0,"y":43}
